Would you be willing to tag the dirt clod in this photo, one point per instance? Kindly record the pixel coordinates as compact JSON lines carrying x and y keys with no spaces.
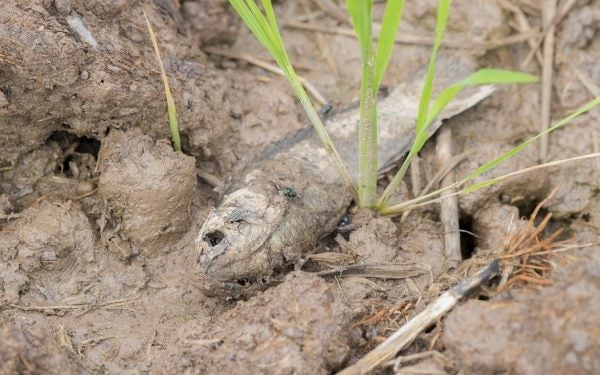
{"x":551,"y":331}
{"x":51,"y":237}
{"x":296,"y":328}
{"x":27,"y":350}
{"x":147,"y":187}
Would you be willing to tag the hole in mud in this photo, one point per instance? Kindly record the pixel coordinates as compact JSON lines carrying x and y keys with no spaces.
{"x":73,"y":148}
{"x":82,"y":145}
{"x":6,"y":90}
{"x":467,"y":238}
{"x":526,"y":208}
{"x":214,"y":238}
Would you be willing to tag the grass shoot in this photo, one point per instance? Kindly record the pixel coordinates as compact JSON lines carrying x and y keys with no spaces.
{"x":171,"y":111}
{"x":373,"y":67}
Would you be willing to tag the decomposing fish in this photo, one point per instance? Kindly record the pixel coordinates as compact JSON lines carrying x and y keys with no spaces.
{"x":288,"y":199}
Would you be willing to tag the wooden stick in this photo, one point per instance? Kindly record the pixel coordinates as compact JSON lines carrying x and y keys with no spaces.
{"x":404,"y":38}
{"x":449,"y":203}
{"x":408,"y":332}
{"x":548,"y":13}
{"x":561,"y":14}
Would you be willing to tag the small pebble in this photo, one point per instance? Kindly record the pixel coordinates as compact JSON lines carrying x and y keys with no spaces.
{"x":85,"y":187}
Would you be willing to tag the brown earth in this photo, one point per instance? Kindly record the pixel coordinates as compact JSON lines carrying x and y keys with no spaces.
{"x":98,"y":216}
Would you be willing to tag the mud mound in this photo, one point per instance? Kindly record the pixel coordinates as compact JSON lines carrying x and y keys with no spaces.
{"x":295,"y":328}
{"x":50,"y":236}
{"x":97,"y":54}
{"x":25,"y":351}
{"x":554,"y":331}
{"x":147,"y":187}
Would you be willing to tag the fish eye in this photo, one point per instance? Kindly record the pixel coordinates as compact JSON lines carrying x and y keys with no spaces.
{"x":213,"y":238}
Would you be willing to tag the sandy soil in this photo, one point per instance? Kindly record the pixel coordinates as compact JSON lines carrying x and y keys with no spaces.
{"x":98,"y":216}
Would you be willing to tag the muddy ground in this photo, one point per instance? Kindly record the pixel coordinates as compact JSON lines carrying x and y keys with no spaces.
{"x":98,"y":215}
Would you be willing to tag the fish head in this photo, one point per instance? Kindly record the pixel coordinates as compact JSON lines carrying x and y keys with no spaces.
{"x":233,"y":242}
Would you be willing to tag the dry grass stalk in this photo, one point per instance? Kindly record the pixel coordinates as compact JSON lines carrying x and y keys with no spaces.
{"x":391,"y":315}
{"x":527,"y":253}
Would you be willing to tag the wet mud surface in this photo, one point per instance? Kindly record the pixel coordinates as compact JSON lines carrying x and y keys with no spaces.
{"x":99,"y":267}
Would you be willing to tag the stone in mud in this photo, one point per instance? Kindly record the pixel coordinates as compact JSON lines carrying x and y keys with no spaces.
{"x":299,"y":327}
{"x":35,"y":351}
{"x":148,"y":188}
{"x":553,"y":331}
{"x":50,"y":236}
{"x":494,"y":224}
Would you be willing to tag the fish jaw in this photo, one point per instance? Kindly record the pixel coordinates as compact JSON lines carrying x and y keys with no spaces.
{"x":234,"y":241}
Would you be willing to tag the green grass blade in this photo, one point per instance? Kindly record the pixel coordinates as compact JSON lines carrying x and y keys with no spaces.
{"x":494,"y":163}
{"x":480,"y":77}
{"x":360,"y":14}
{"x":387,"y":38}
{"x":421,"y":131}
{"x":434,"y":196}
{"x":490,"y":182}
{"x":265,"y":29}
{"x":171,"y":110}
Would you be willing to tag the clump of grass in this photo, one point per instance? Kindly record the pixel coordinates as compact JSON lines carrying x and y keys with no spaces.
{"x":171,"y":110}
{"x":374,"y":65}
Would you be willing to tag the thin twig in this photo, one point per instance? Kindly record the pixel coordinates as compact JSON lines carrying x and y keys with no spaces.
{"x":268,"y":67}
{"x":404,"y":38}
{"x":449,"y":204}
{"x":523,"y":25}
{"x":210,"y":178}
{"x":557,"y":19}
{"x":586,"y":81}
{"x":548,"y":13}
{"x":333,"y":10}
{"x":428,"y":198}
{"x":379,"y":271}
{"x":407,"y":333}
{"x":438,"y":177}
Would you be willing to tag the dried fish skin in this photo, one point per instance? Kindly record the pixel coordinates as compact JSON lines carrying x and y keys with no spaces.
{"x":259,"y":228}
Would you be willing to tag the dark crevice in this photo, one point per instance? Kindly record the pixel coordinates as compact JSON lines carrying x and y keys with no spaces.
{"x":468,"y":241}
{"x":66,"y":140}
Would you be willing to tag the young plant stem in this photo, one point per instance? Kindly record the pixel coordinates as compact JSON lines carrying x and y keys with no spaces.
{"x":422,"y":118}
{"x":361,"y":15}
{"x":171,"y":111}
{"x":367,"y":137}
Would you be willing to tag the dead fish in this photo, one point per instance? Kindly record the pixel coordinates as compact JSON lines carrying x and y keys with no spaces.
{"x":288,"y":199}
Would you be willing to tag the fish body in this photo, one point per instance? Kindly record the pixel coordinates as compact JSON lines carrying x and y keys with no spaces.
{"x":288,"y":199}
